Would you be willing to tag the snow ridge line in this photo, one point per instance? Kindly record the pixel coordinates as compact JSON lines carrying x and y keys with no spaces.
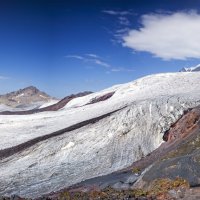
{"x":4,"y":153}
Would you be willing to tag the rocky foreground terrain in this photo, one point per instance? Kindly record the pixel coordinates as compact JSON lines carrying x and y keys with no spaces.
{"x":138,"y":140}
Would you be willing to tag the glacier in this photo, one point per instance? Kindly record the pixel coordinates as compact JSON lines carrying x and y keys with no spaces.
{"x":131,"y":124}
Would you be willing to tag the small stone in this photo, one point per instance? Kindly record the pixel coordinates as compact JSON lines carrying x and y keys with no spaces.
{"x":181,"y":193}
{"x":173,"y":194}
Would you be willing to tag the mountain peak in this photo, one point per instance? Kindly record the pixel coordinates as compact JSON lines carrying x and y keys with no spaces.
{"x":191,"y":69}
{"x":23,"y":96}
{"x":30,"y":89}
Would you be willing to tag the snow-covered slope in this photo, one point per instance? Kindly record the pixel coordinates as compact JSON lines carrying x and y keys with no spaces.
{"x":191,"y":69}
{"x":49,"y":103}
{"x":24,"y":107}
{"x":140,"y":112}
{"x":30,"y":106}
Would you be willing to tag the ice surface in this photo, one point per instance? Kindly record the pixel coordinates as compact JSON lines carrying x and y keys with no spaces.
{"x":152,"y":103}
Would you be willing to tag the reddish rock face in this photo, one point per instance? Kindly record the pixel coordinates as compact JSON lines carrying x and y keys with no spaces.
{"x":179,"y":156}
{"x":184,"y":126}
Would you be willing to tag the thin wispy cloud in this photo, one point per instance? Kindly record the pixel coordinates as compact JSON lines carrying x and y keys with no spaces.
{"x":95,"y":59}
{"x":3,"y":78}
{"x":124,"y":21}
{"x":122,"y":30}
{"x":167,"y":36}
{"x":75,"y":56}
{"x":121,"y":69}
{"x":121,"y":16}
{"x":119,"y":34}
{"x":92,"y":55}
{"x":91,"y":58}
{"x":99,"y":62}
{"x":115,"y":12}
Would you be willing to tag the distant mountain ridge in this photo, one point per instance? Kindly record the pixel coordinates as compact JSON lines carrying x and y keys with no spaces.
{"x":24,"y":96}
{"x":52,"y":105}
{"x":191,"y":69}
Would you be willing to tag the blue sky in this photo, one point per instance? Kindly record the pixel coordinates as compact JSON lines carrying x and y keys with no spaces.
{"x":65,"y":47}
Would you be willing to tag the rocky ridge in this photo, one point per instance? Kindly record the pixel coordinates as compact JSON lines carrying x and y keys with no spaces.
{"x":24,"y":98}
{"x":52,"y":107}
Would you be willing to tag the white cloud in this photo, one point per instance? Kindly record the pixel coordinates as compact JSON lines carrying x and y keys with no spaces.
{"x":168,"y":36}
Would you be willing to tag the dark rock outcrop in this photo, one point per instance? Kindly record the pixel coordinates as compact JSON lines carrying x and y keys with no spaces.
{"x":101,"y":98}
